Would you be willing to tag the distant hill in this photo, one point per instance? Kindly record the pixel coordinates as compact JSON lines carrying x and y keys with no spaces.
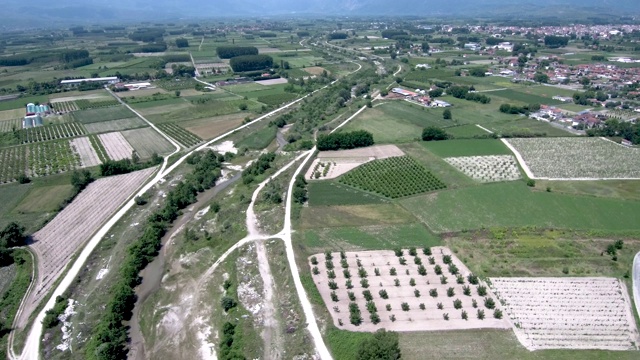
{"x":89,"y":11}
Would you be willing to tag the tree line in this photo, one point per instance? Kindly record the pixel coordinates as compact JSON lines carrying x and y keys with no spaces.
{"x":613,"y":127}
{"x":251,"y":62}
{"x":345,"y":140}
{"x":125,"y":166}
{"x":109,"y":338}
{"x":11,"y":236}
{"x":258,"y":167}
{"x":228,"y":52}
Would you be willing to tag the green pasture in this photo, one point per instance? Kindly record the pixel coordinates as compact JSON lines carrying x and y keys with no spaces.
{"x":513,"y":204}
{"x":465,"y":131}
{"x":467,"y":147}
{"x":330,"y":192}
{"x":259,"y":139}
{"x":102,"y":114}
{"x":526,"y":98}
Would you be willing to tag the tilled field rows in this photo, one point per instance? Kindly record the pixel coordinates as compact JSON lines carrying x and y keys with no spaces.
{"x":10,"y":125}
{"x":571,"y":313}
{"x":184,"y":137}
{"x":57,"y":242}
{"x":38,"y":159}
{"x":64,"y":106}
{"x":116,"y":146}
{"x":88,"y":155}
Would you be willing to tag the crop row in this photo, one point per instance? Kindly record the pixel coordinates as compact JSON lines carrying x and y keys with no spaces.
{"x":37,"y":159}
{"x":52,"y":132}
{"x":86,"y":104}
{"x":184,"y":137}
{"x":64,"y":106}
{"x":10,"y":125}
{"x":393,"y":177}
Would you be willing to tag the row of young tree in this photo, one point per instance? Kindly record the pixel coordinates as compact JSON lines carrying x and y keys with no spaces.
{"x":345,"y":140}
{"x":109,"y":338}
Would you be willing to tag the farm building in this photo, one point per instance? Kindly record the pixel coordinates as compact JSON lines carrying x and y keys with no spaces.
{"x":103,"y":80}
{"x":403,"y":92}
{"x":33,"y":109}
{"x":138,"y":86}
{"x":32,"y":121}
{"x":440,"y":103}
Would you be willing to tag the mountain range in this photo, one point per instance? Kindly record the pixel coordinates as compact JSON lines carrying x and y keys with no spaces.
{"x":92,"y":11}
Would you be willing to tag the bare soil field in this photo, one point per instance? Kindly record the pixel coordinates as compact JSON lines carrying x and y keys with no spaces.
{"x":80,"y":97}
{"x":569,"y":313}
{"x":315,"y":70}
{"x":342,"y":161}
{"x":88,"y":155}
{"x":212,"y":127}
{"x":114,"y":125}
{"x":116,"y":145}
{"x":273,"y":81}
{"x":412,"y":302}
{"x":56,"y":243}
{"x":141,"y":92}
{"x":147,"y":141}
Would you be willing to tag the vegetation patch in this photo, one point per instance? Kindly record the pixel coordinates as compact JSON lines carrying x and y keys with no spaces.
{"x":470,"y":147}
{"x":393,"y":177}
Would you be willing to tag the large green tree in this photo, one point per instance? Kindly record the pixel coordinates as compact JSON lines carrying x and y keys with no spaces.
{"x":383,"y":345}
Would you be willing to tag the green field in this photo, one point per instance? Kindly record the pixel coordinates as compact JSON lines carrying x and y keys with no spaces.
{"x":514,"y":204}
{"x":102,"y":114}
{"x":524,"y":97}
{"x":259,"y":139}
{"x":470,"y":147}
{"x":44,"y":199}
{"x":465,"y":131}
{"x":328,"y":192}
{"x":393,"y":177}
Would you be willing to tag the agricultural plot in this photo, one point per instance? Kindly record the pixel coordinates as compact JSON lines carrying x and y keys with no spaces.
{"x":277,"y":99}
{"x":393,"y":177}
{"x":88,"y":155}
{"x":10,"y":125}
{"x":490,"y":168}
{"x":114,"y":125}
{"x":403,"y":290}
{"x":116,"y":146}
{"x":64,"y":106}
{"x":85,"y":104}
{"x":569,"y":313}
{"x":58,"y":241}
{"x":331,"y":164}
{"x":147,"y":141}
{"x":102,"y":114}
{"x":52,"y":132}
{"x":575,"y":158}
{"x":38,"y":159}
{"x":184,"y":137}
{"x":524,"y":97}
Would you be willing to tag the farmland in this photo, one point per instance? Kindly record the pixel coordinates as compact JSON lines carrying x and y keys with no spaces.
{"x":102,"y":114}
{"x":487,"y":168}
{"x":52,"y":132}
{"x":37,"y":159}
{"x":146,"y":142}
{"x":393,"y":177}
{"x":116,"y":146}
{"x":184,"y":137}
{"x":577,"y":158}
{"x":411,"y":289}
{"x":114,"y":125}
{"x":57,"y":242}
{"x":88,"y":155}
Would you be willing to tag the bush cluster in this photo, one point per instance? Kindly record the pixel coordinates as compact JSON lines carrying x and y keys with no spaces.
{"x":345,"y":140}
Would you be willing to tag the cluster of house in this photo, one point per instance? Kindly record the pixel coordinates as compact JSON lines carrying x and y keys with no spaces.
{"x":581,"y":121}
{"x":420,"y":97}
{"x":579,"y":30}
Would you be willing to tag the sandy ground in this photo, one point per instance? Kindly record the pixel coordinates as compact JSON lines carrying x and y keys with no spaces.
{"x":414,"y":319}
{"x":225,"y":147}
{"x":343,"y":161}
{"x":273,"y":81}
{"x":569,"y":313}
{"x":315,"y":70}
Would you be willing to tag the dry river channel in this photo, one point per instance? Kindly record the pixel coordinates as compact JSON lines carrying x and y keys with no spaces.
{"x":153,"y":273}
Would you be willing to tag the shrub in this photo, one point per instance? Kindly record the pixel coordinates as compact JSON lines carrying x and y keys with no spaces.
{"x":354,"y":314}
{"x":531,"y":183}
{"x":315,"y":270}
{"x":392,"y":318}
{"x":371,"y":307}
{"x":426,"y":251}
{"x":398,"y":252}
{"x":331,"y":274}
{"x":482,"y":291}
{"x":465,"y":316}
{"x":489,"y":303}
{"x":417,"y":261}
{"x":422,"y":307}
{"x":480,"y":314}
{"x":457,"y":304}
{"x":459,"y":279}
{"x":433,"y":133}
{"x":367,"y":295}
{"x":375,"y":318}
{"x":451,"y":292}
{"x":438,"y":270}
{"x":314,"y":260}
{"x":334,"y":296}
{"x":453,"y":269}
{"x":416,"y":292}
{"x":466,"y":290}
{"x":565,"y":270}
{"x":383,"y":294}
{"x":443,"y":280}
{"x":327,"y":255}
{"x":403,"y":261}
{"x":359,"y":263}
{"x":362,"y":272}
{"x":228,"y":303}
{"x":404,"y":306}
{"x":412,"y":282}
{"x":364,"y":283}
{"x":351,"y":295}
{"x":413,"y":251}
{"x":422,"y":270}
{"x":346,"y":273}
{"x":388,"y":307}
{"x":446,"y":259}
{"x":497,"y":313}
{"x":445,"y":316}
{"x":343,"y":255}
{"x":349,"y":285}
{"x":474,"y":303}
{"x":333,"y":285}
{"x":344,"y":264}
{"x":433,"y":293}
{"x":432,"y":261}
{"x":376,"y":271}
{"x":329,"y":264}
{"x":396,"y":282}
{"x":393,"y":272}
{"x":472,"y":279}
{"x":440,"y":306}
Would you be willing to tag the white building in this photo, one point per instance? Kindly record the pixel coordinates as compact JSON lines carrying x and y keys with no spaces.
{"x":105,"y":80}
